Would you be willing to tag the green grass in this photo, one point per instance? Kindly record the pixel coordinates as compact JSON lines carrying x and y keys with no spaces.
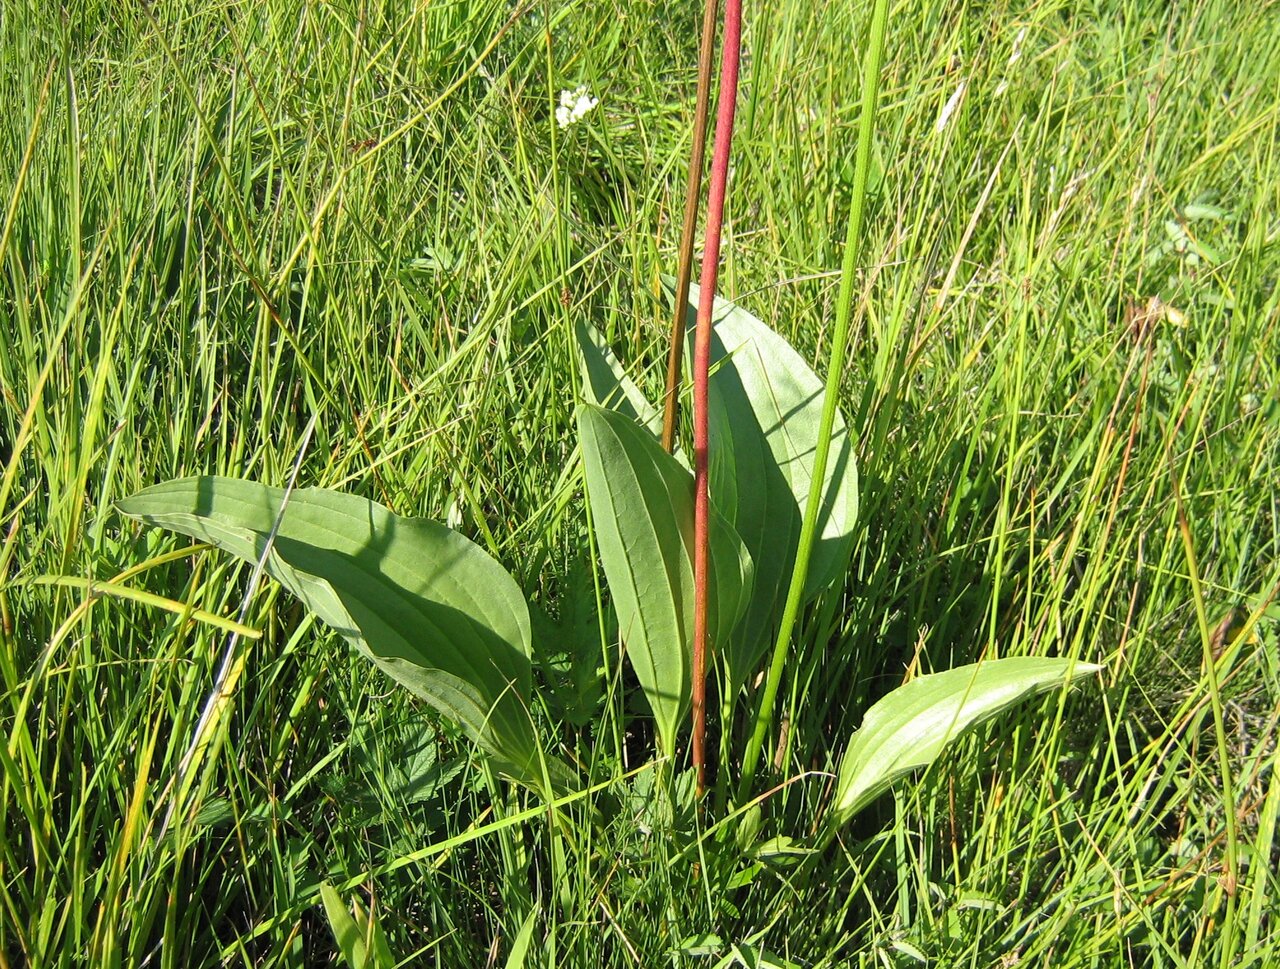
{"x":201,"y":250}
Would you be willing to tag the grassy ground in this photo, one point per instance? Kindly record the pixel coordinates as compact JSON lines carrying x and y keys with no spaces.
{"x":222,"y":219}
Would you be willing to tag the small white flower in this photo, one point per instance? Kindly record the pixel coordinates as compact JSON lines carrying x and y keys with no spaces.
{"x":574,"y":106}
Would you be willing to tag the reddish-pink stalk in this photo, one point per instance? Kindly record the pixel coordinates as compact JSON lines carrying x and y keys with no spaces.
{"x":731,"y":46}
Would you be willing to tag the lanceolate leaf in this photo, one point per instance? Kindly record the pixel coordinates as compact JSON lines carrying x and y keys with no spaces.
{"x":766,"y":409}
{"x":361,"y":940}
{"x":642,"y":511}
{"x":909,"y":728}
{"x":604,"y":382}
{"x":428,"y":606}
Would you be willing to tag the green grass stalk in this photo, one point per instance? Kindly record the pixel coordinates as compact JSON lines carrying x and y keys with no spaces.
{"x":831,"y":396}
{"x":1229,"y":879}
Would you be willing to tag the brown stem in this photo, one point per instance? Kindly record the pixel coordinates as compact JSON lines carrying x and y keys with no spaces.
{"x":701,"y":372}
{"x":671,"y":408}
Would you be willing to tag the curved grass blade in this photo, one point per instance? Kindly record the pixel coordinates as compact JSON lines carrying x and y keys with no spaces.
{"x":909,"y":728}
{"x":426,"y":605}
{"x":642,"y":511}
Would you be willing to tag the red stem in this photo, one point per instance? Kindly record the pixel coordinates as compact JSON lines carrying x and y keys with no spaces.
{"x":731,"y":46}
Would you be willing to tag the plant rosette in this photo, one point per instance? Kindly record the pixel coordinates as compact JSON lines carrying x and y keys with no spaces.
{"x":445,"y":620}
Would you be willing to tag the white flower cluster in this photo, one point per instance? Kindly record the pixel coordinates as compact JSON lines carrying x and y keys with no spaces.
{"x":574,"y":105}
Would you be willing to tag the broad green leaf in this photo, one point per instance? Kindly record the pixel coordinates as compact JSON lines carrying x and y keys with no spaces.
{"x":909,"y":728}
{"x":429,"y":607}
{"x":765,"y":413}
{"x":642,"y":511}
{"x":604,"y":382}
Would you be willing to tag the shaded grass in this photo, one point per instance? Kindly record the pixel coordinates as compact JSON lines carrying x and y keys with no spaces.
{"x":206,"y":250}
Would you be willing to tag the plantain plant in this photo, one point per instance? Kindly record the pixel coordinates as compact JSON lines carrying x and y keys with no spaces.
{"x":446,"y":621}
{"x":709,"y":564}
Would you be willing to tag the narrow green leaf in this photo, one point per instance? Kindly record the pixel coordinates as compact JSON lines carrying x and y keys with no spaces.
{"x":606,"y":383}
{"x":753,"y":957}
{"x":910,"y":727}
{"x":345,"y":931}
{"x":429,"y":607}
{"x":523,"y":940}
{"x":361,"y":941}
{"x":642,"y":511}
{"x":766,"y":410}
